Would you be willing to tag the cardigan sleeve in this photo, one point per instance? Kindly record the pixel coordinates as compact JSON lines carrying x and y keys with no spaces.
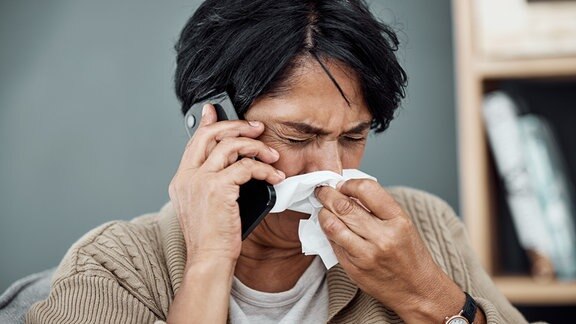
{"x":495,"y":305}
{"x":83,"y":299}
{"x":111,"y":275}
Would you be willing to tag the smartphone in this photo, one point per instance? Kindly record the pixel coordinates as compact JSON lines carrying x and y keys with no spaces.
{"x":257,"y":197}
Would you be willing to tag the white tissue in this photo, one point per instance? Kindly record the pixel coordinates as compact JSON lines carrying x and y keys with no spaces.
{"x":297,"y":193}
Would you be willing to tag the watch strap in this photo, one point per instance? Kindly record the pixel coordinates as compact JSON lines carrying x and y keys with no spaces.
{"x":469,"y":309}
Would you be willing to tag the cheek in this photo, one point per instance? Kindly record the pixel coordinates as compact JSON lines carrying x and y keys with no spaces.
{"x":291,"y":162}
{"x":352,"y":157}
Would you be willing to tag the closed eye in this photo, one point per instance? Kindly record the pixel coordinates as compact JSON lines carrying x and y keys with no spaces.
{"x":354,"y":139}
{"x":298,"y":141}
{"x":304,"y":141}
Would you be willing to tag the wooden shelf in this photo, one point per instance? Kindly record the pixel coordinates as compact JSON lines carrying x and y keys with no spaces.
{"x":527,"y":68}
{"x":477,"y":197}
{"x":527,"y":291}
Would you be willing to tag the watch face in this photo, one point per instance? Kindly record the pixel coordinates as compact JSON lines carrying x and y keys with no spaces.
{"x":457,"y":320}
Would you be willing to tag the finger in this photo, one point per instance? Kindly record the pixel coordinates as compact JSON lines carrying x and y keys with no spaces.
{"x":210,"y":132}
{"x":356,"y":217}
{"x":229,"y":129}
{"x":374,"y":197}
{"x":245,"y":169}
{"x":343,"y":256}
{"x":206,"y":138}
{"x":209,"y":115}
{"x":338,"y":233}
{"x":229,"y":149}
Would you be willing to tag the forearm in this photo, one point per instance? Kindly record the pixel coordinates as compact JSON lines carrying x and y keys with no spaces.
{"x":204,"y":294}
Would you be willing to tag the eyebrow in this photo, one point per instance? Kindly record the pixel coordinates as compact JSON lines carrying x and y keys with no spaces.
{"x":309,"y":129}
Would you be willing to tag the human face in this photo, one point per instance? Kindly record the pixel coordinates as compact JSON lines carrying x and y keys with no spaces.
{"x":313,"y":128}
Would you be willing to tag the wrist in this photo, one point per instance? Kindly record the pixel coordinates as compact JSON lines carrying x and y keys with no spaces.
{"x":206,"y":285}
{"x":468,"y":314}
{"x":217,"y":268}
{"x":440,"y":298}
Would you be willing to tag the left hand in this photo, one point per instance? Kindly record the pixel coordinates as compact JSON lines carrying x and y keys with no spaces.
{"x":380,"y":249}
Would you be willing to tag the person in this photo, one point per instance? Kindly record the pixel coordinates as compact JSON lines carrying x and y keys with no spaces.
{"x":309,"y":79}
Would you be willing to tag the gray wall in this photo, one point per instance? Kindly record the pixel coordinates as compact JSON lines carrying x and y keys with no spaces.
{"x":90,"y":129}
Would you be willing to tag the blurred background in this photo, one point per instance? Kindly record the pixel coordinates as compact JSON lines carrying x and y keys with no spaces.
{"x":90,"y":129}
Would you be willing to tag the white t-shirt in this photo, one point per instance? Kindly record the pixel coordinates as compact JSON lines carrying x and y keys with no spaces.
{"x":306,"y":302}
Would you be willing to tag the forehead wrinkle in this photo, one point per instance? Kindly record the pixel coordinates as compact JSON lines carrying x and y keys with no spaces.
{"x":313,"y":100}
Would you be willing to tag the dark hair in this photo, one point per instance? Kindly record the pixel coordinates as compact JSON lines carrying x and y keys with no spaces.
{"x":249,"y":48}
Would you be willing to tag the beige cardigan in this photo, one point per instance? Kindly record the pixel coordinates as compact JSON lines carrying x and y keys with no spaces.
{"x":128,"y":272}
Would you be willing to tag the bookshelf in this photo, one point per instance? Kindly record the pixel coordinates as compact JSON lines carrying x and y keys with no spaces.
{"x":481,"y":66}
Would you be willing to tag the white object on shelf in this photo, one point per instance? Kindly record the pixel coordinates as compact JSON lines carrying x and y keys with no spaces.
{"x":549,"y":178}
{"x":505,"y":137}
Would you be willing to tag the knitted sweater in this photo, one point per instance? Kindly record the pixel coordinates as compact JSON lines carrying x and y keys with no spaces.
{"x":128,"y":272}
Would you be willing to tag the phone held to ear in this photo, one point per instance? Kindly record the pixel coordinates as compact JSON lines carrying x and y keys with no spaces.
{"x":257,"y":197}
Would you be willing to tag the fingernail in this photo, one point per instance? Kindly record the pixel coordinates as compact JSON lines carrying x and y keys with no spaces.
{"x":281,"y":174}
{"x":319,"y":186}
{"x":273,"y":151}
{"x":204,"y":109}
{"x":254,"y":123}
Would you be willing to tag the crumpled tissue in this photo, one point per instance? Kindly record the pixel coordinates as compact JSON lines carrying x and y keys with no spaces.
{"x":297,"y":193}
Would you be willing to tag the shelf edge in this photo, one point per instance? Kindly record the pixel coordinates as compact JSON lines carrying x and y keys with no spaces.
{"x":526,"y":291}
{"x":527,"y":68}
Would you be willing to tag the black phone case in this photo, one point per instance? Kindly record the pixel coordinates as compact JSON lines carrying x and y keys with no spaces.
{"x":257,"y":197}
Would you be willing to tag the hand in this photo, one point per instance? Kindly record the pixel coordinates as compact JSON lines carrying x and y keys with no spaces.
{"x":204,"y":193}
{"x":380,"y":249}
{"x":205,"y":187}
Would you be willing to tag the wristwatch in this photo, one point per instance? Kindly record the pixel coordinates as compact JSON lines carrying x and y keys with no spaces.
{"x":466,"y":315}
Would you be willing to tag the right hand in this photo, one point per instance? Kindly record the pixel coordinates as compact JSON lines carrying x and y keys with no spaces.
{"x":205,"y":187}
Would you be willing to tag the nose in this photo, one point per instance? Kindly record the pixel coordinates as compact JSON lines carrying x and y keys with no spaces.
{"x":326,"y":157}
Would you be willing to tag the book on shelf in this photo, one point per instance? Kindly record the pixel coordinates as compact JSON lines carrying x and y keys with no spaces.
{"x":538,"y":192}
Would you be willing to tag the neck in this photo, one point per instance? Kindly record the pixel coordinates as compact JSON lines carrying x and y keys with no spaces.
{"x":270,"y":269}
